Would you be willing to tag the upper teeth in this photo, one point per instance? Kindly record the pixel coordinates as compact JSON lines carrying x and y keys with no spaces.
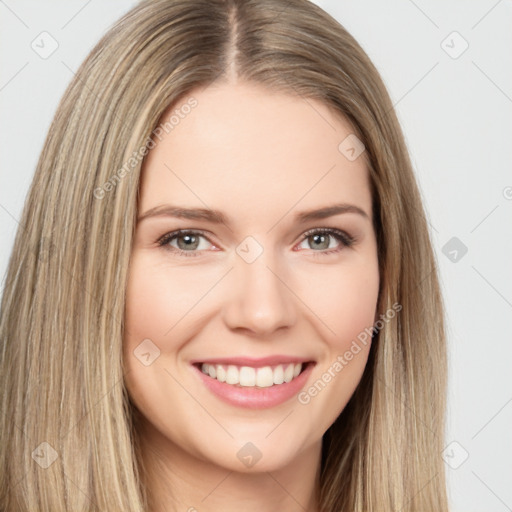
{"x":263,"y":377}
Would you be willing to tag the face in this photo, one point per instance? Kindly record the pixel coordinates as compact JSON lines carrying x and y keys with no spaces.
{"x":243,"y":304}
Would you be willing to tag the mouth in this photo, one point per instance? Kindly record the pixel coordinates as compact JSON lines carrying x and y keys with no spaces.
{"x":251,"y":376}
{"x":254,"y":384}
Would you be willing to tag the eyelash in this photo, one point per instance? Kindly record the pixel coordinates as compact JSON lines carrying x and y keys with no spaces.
{"x":342,"y":237}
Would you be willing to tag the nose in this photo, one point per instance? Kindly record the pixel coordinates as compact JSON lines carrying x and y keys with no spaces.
{"x":259,"y":299}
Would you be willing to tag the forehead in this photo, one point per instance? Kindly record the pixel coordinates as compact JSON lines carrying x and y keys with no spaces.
{"x":250,"y":150}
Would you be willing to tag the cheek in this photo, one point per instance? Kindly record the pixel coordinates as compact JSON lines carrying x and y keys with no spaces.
{"x":345,"y":308}
{"x":158,"y":301}
{"x":148,"y":306}
{"x":356,"y":304}
{"x":342,"y":300}
{"x":150,"y":314}
{"x":161,"y":315}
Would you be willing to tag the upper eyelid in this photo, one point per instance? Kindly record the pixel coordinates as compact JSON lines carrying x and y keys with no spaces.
{"x":173,"y":234}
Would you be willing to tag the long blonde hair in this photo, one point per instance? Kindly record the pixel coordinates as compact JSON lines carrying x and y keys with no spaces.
{"x":61,"y":327}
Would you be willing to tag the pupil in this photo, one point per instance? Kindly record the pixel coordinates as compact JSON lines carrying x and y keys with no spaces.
{"x":324,"y":237}
{"x":191,"y":240}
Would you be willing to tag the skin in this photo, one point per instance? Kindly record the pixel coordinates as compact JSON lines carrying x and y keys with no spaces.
{"x":259,"y":156}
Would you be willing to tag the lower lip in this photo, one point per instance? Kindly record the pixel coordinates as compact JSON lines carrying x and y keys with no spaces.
{"x":254,"y":397}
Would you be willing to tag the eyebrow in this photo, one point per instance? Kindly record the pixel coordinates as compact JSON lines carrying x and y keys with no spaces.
{"x":218,"y":217}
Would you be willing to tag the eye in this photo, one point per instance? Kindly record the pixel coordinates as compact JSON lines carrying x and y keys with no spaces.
{"x":188,"y":242}
{"x":321,"y":238}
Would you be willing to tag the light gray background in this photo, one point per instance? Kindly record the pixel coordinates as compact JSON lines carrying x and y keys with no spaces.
{"x":456,"y":114}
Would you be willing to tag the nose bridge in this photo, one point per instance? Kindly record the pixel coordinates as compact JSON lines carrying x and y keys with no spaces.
{"x":259,"y":299}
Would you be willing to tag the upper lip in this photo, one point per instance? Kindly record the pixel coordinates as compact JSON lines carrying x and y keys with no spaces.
{"x":255,"y":362}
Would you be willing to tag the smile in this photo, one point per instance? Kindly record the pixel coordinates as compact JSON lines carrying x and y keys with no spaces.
{"x":247,"y":376}
{"x":254,"y":384}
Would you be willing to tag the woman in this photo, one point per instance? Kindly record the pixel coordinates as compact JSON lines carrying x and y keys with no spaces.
{"x":176,"y":341}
